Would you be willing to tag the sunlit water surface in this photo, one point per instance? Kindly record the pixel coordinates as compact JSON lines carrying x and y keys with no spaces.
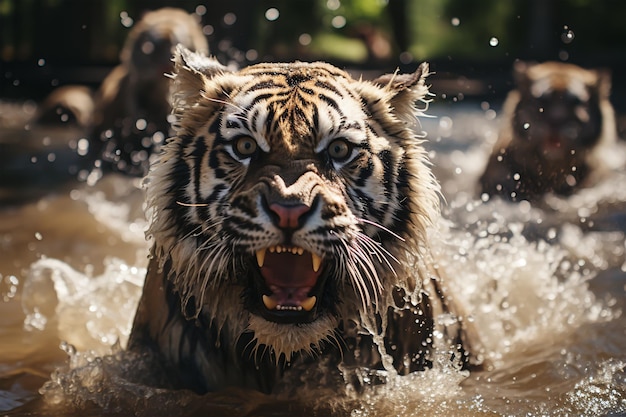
{"x":545,"y":286}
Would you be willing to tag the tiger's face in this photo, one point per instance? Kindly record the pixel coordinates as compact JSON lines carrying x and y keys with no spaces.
{"x":290,"y":196}
{"x":559,"y":110}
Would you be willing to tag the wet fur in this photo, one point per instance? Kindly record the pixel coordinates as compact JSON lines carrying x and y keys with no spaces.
{"x":198,"y":308}
{"x":548,"y":97}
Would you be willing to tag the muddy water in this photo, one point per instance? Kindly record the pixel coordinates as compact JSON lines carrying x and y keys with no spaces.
{"x":545,"y":284}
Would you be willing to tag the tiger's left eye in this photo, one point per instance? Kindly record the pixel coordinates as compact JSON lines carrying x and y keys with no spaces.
{"x":245,"y":147}
{"x":339,"y":149}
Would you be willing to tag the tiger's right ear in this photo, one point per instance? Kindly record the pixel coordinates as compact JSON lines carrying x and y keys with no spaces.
{"x":199,"y":87}
{"x":520,"y":76}
{"x":192,"y":75}
{"x":186,"y":60}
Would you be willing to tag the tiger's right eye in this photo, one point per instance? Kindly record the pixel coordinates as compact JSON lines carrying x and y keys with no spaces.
{"x":245,"y":147}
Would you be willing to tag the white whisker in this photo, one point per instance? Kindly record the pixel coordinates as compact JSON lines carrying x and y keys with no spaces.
{"x":379,"y":250}
{"x":226,"y":103}
{"x":370,"y":271}
{"x":381,"y":227}
{"x":355,"y":275}
{"x":180,"y":203}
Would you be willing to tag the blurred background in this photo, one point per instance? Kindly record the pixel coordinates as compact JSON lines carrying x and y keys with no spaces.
{"x":471,"y":44}
{"x":552,"y":313}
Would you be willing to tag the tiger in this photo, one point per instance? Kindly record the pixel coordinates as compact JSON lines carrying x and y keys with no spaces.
{"x":556,"y":125}
{"x":289,"y":220}
{"x":69,"y":105}
{"x":130,"y":118}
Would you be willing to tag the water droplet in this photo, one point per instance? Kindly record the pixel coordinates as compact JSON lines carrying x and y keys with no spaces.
{"x":338,"y":22}
{"x":200,"y":10}
{"x":252,"y":55}
{"x":333,"y":4}
{"x":406,"y":57}
{"x":41,"y":62}
{"x":455,"y":21}
{"x":230,"y":19}
{"x":83,"y":146}
{"x":208,"y":30}
{"x":147,"y":47}
{"x":493,"y":41}
{"x":126,"y":20}
{"x":141,"y":124}
{"x":445,"y":122}
{"x":567,"y":36}
{"x":272,"y":14}
{"x":491,"y":114}
{"x":305,"y":39}
{"x":158,"y":137}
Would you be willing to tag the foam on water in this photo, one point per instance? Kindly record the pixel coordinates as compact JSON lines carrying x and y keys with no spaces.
{"x":518,"y":291}
{"x":90,"y":313}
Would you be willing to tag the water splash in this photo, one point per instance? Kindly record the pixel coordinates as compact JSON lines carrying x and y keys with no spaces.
{"x":89,"y":312}
{"x":528,"y":275}
{"x":518,"y":288}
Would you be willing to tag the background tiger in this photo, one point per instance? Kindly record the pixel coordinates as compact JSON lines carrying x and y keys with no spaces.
{"x":70,"y":105}
{"x":132,"y":104}
{"x":555,"y":126}
{"x":289,"y":220}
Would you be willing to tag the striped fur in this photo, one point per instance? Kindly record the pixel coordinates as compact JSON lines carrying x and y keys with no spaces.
{"x":302,"y":135}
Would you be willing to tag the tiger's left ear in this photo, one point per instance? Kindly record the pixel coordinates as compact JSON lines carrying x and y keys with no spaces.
{"x":604,"y":82}
{"x":401,"y":82}
{"x":402,"y":91}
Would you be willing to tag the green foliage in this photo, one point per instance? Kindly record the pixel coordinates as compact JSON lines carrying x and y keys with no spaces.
{"x":441,"y":28}
{"x":347,"y":30}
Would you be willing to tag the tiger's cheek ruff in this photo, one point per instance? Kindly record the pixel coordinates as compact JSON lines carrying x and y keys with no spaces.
{"x":366,"y":218}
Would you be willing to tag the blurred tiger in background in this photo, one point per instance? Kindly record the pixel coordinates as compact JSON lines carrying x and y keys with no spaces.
{"x":556,"y":125}
{"x":132,"y":104}
{"x":69,"y":105}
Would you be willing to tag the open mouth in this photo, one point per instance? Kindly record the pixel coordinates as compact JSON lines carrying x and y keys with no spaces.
{"x":291,"y":287}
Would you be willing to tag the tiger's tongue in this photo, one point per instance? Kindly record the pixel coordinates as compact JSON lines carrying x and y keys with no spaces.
{"x":290,"y":277}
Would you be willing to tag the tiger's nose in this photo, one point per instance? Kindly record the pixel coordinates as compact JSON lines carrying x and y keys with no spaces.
{"x":289,"y":216}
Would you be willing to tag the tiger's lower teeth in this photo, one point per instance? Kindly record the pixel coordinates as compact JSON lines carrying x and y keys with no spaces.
{"x":292,"y":308}
{"x":306,"y":305}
